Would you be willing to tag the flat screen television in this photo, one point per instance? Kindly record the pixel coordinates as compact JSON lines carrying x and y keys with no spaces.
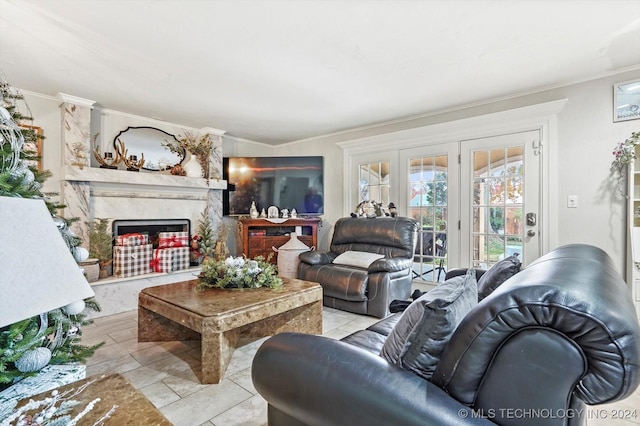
{"x":285,"y":182}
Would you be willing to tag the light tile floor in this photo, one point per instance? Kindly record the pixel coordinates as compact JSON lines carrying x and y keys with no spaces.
{"x":164,"y":373}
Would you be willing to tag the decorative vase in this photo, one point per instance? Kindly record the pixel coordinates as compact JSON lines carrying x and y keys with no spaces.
{"x":91,"y":269}
{"x":104,"y":268}
{"x":192,"y":166}
{"x":288,"y":256}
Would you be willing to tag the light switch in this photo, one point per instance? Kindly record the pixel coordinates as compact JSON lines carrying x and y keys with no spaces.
{"x":572,"y":201}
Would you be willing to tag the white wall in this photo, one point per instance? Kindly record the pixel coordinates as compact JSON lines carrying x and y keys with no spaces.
{"x":586,"y":135}
{"x":586,"y":138}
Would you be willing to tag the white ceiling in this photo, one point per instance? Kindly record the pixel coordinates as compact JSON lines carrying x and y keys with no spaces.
{"x":282,"y":70}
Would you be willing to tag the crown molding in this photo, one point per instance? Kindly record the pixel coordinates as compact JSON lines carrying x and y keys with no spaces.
{"x":63,"y":98}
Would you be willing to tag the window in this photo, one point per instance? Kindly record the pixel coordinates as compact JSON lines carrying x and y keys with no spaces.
{"x":374,"y":182}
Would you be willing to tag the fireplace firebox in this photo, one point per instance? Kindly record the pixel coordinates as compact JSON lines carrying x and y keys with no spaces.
{"x":151,"y":227}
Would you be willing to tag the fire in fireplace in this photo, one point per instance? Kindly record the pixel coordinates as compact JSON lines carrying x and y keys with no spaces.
{"x":151,"y":227}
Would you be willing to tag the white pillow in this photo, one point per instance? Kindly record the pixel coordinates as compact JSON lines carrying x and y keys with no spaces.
{"x":361,"y":259}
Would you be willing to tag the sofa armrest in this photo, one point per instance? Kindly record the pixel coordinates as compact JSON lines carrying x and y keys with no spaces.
{"x":317,"y":257}
{"x":318,"y":380}
{"x":391,"y":265}
{"x":462,"y":271}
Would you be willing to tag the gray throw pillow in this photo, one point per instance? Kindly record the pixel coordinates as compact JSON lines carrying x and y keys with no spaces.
{"x":497,"y":274}
{"x":421,"y":334}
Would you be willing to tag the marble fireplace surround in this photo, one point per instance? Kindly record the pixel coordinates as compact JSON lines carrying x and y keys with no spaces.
{"x":118,"y":194}
{"x":92,"y":192}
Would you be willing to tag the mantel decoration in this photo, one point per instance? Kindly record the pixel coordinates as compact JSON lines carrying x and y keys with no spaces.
{"x":132,"y":162}
{"x":237,"y":273}
{"x":624,"y":154}
{"x":108,"y":161}
{"x":79,"y":155}
{"x":197,"y":147}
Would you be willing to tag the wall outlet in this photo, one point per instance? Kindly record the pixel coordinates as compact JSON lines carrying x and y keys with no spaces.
{"x":572,"y":201}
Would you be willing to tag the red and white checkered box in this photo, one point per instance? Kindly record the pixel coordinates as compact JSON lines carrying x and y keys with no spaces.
{"x":170,"y":259}
{"x":173,"y":239}
{"x":132,"y":239}
{"x":162,"y":260}
{"x":180,"y":258}
{"x":129,"y":261}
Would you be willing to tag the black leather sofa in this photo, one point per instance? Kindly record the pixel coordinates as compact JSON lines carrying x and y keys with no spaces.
{"x":558,"y":335}
{"x":364,"y":290}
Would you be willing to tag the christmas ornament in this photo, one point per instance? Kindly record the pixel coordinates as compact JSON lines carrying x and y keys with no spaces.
{"x":33,"y":360}
{"x":80,"y":254}
{"x":10,"y":133}
{"x":60,"y":223}
{"x":74,"y":308}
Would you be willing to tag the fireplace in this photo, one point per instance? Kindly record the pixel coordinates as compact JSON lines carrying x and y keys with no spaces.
{"x":151,"y":227}
{"x":90,"y":192}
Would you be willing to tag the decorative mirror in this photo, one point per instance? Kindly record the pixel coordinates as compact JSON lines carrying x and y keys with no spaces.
{"x":149,"y":141}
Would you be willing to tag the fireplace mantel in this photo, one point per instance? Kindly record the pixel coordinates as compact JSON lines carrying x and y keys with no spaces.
{"x":98,"y":175}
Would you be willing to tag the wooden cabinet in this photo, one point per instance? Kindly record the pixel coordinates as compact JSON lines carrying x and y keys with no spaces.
{"x":259,"y":236}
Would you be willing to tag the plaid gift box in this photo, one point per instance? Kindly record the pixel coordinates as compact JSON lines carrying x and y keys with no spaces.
{"x":173,"y":239}
{"x":170,"y":259}
{"x":162,"y":260}
{"x":129,"y":261}
{"x":180,"y":258}
{"x":132,"y":240}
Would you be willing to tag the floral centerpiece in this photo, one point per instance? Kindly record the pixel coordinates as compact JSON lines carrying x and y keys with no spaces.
{"x":238,"y":272}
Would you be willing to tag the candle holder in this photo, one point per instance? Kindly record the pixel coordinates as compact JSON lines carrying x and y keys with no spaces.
{"x":106,"y":162}
{"x":132,"y":162}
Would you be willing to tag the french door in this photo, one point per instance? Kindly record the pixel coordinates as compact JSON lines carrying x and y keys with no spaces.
{"x":500,"y":198}
{"x":477,"y":201}
{"x":430,"y":197}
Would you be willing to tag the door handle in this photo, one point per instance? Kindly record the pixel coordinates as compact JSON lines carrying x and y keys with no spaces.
{"x":531,"y":233}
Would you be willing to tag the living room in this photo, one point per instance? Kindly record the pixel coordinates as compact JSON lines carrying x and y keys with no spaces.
{"x":575,"y":115}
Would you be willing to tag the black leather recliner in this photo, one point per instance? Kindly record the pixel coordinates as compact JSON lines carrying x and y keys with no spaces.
{"x":558,"y":335}
{"x":365,"y":291}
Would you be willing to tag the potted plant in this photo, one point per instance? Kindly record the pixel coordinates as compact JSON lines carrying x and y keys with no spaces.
{"x":101,"y":244}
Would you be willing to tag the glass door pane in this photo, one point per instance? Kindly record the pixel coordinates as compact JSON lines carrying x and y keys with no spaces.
{"x":374,"y":182}
{"x":428,"y":204}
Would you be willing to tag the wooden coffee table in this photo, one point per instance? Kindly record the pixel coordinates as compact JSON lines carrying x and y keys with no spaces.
{"x":221,"y":317}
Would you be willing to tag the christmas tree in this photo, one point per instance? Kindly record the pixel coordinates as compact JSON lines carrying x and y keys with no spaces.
{"x":52,"y":337}
{"x":206,"y":239}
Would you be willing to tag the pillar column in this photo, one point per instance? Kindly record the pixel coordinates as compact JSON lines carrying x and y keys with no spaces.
{"x":214,"y":197}
{"x":75,"y":141}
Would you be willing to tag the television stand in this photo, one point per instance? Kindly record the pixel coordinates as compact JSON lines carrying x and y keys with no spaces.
{"x":259,"y":236}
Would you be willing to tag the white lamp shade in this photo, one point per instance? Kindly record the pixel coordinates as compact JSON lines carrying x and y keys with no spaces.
{"x":37,"y":270}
